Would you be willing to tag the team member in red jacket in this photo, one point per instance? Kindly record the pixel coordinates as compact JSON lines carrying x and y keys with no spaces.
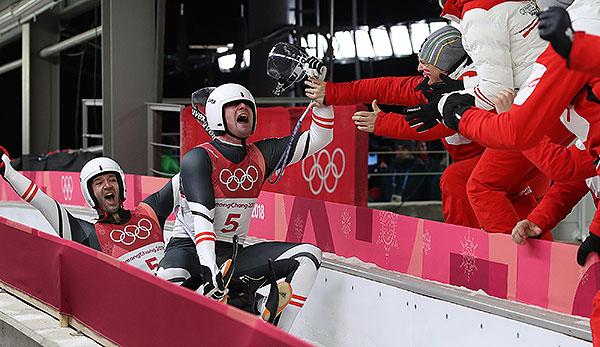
{"x":540,"y":106}
{"x":441,"y":54}
{"x":501,"y":36}
{"x":578,"y":48}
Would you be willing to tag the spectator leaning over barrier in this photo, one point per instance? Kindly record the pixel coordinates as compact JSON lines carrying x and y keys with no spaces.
{"x":133,"y":236}
{"x":580,"y":49}
{"x":442,"y":60}
{"x":502,"y":38}
{"x":540,"y":107}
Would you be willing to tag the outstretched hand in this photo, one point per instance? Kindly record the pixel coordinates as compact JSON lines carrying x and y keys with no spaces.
{"x":314,"y":67}
{"x":316,"y":90}
{"x":503,"y":100}
{"x":423,"y":116}
{"x":524,"y":230}
{"x":365,"y":120}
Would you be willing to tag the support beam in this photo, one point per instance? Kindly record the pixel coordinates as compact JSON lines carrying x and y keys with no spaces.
{"x":40,"y":83}
{"x":70,"y":42}
{"x":10,"y":66}
{"x":25,"y":87}
{"x":128,"y":79}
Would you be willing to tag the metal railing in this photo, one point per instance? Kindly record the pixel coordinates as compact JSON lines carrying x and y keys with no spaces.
{"x":421,"y":173}
{"x":154,"y":112}
{"x":85,"y":135}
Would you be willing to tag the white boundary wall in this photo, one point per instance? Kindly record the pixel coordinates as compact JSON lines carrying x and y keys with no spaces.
{"x":346,"y":310}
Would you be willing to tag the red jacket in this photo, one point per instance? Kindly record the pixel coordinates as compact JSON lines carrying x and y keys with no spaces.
{"x":399,"y":91}
{"x":538,"y":108}
{"x":584,"y":53}
{"x":553,"y":95}
{"x":558,"y":203}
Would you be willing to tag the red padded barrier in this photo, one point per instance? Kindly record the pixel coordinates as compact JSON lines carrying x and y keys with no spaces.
{"x":339,"y":175}
{"x":126,"y":305}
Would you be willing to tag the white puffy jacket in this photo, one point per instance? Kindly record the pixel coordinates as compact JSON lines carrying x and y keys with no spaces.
{"x":585,"y":16}
{"x":502,"y":39}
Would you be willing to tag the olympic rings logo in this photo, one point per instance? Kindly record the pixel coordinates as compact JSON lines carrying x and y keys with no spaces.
{"x":131,"y":233}
{"x":67,"y":187}
{"x":239,"y":178}
{"x":321,"y":174}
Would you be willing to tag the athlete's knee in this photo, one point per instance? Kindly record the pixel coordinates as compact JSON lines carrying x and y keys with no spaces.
{"x":311,"y":253}
{"x":175,"y":275}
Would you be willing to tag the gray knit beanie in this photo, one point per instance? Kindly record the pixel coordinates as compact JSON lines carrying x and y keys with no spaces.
{"x":443,"y":49}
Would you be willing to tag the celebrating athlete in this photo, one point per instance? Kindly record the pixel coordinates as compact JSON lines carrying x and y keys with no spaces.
{"x":220,"y":182}
{"x":134,"y":237}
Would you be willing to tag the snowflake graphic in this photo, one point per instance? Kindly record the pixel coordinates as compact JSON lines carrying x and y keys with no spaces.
{"x":584,"y":276}
{"x":387,"y":235}
{"x":468,"y":256}
{"x":426,"y":242}
{"x":346,"y":221}
{"x":298,"y":228}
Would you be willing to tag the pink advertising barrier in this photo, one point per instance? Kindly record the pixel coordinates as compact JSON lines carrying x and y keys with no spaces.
{"x":337,"y":173}
{"x":126,"y":305}
{"x":542,"y":273}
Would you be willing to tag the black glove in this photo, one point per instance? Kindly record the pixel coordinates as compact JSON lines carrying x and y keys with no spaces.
{"x":213,"y":284}
{"x":447,"y":85}
{"x":425,"y":88}
{"x":315,"y":67}
{"x":423,"y":116}
{"x":454,"y":106}
{"x":555,"y":26}
{"x":591,"y":244}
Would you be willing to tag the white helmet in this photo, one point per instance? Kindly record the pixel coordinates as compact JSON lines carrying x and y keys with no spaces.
{"x":97,"y":167}
{"x":222,"y":95}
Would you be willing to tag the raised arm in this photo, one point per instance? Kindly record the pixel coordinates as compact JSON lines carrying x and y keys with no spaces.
{"x":537,"y":106}
{"x":584,"y":53}
{"x":163,"y":201}
{"x":53,"y":212}
{"x":309,"y":142}
{"x":405,"y":91}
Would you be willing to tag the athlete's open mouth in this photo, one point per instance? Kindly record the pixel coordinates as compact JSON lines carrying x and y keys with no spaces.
{"x":242,"y":118}
{"x":110,"y":197}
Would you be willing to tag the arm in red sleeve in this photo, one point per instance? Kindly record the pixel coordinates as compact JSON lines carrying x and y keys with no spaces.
{"x":394,"y":125}
{"x":560,"y":163}
{"x":584,"y":53}
{"x":557,"y":203}
{"x":550,"y":89}
{"x":386,"y":90}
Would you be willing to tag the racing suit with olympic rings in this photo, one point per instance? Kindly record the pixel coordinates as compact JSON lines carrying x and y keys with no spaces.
{"x":220,"y":183}
{"x":136,"y":240}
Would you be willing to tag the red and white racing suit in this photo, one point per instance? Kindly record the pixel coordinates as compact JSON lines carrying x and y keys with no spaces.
{"x":137,"y":239}
{"x":220,"y":183}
